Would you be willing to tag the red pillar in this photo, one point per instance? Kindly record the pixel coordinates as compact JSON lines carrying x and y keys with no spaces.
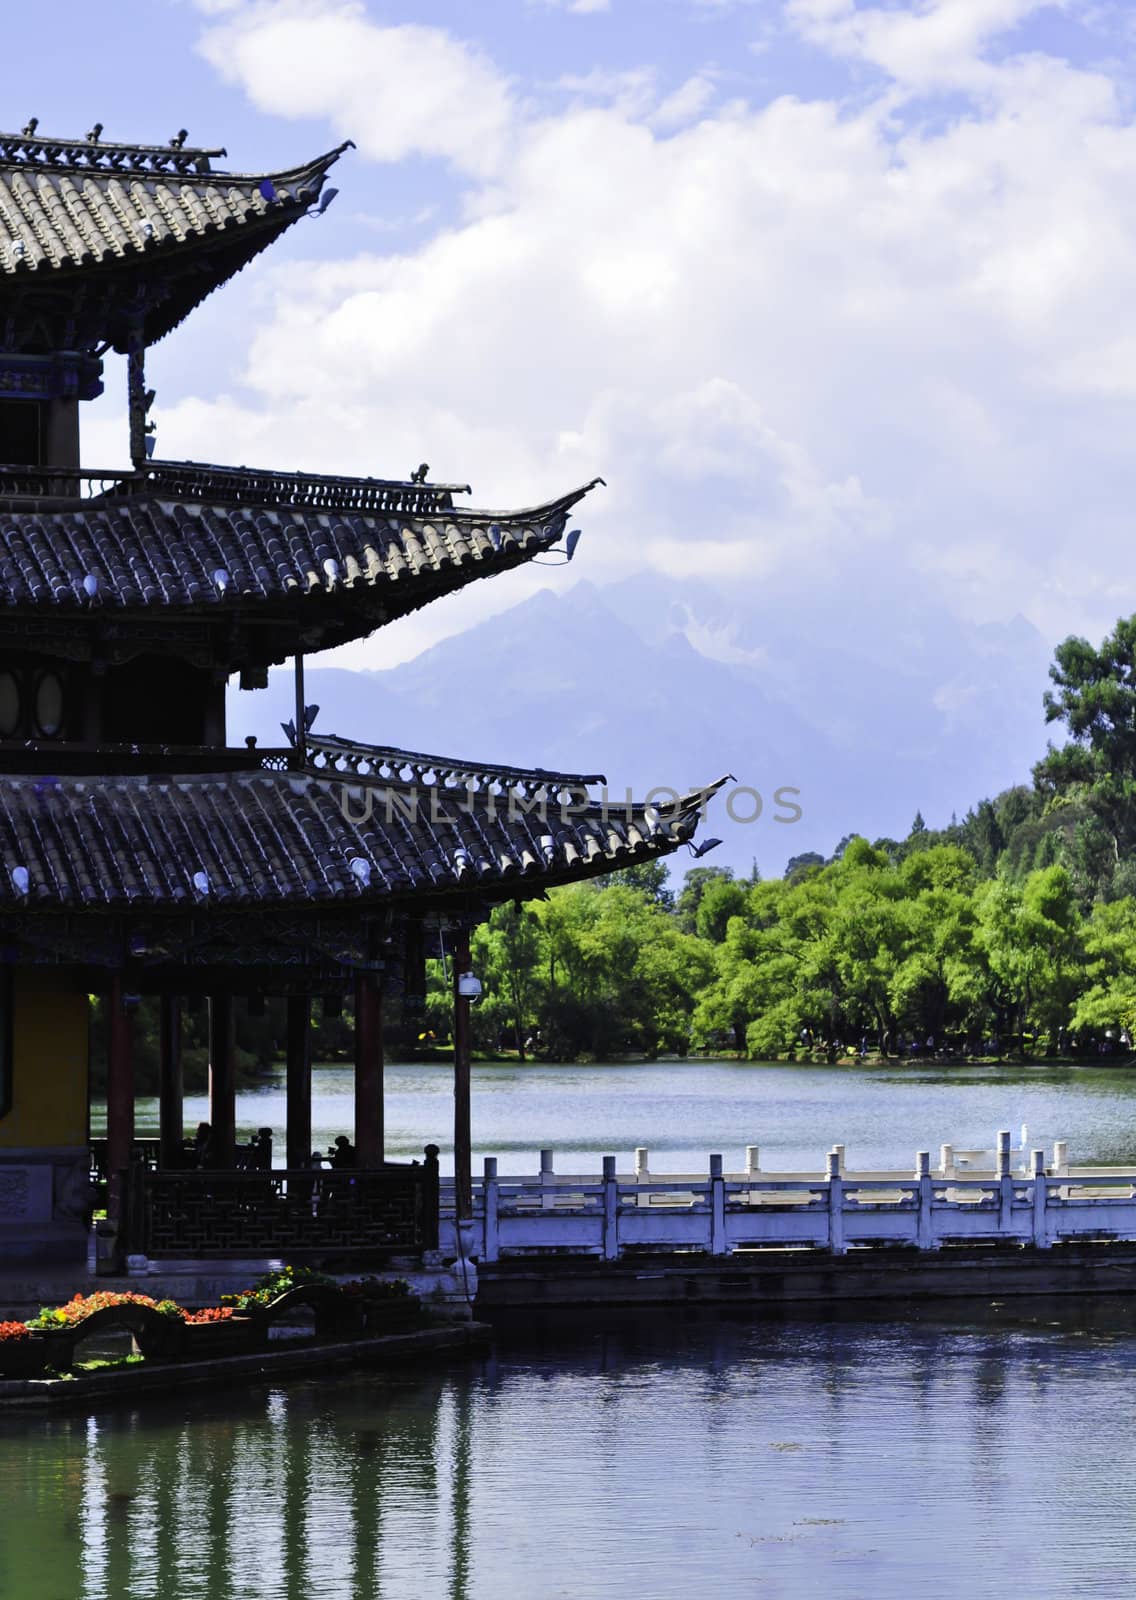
{"x":222,"y":1084}
{"x":369,"y":1135}
{"x":171,"y":1104}
{"x":120,"y":1097}
{"x":463,"y":1147}
{"x":298,"y":1142}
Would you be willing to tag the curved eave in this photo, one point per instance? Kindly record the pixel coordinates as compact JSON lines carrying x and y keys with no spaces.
{"x":224,"y":843}
{"x":324,"y":576}
{"x":192,"y":231}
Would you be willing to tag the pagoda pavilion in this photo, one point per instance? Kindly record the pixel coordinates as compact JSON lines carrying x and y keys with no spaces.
{"x":139,"y":853}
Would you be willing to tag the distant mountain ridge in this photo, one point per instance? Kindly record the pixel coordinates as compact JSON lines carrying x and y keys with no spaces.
{"x":658,"y":683}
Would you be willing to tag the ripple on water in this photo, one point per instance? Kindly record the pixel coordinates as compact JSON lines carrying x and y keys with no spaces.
{"x":645,"y":1457}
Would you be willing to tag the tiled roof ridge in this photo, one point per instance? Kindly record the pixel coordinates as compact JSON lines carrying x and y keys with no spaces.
{"x":106,"y":156}
{"x":272,"y":837}
{"x":205,"y":483}
{"x":332,"y":755}
{"x":142,"y":552}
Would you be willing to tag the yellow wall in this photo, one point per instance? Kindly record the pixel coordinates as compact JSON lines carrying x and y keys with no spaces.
{"x":49,"y":1063}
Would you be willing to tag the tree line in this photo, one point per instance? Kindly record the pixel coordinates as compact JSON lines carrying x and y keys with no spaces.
{"x":1012,"y":930}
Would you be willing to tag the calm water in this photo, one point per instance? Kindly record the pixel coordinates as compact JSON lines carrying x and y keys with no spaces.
{"x":990,"y":1448}
{"x":785,"y":1459}
{"x":681,"y":1112}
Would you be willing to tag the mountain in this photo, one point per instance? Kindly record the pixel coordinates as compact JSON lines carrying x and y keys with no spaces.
{"x":870,"y":716}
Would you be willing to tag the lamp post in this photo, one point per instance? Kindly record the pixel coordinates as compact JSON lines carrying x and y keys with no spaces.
{"x":463,"y":996}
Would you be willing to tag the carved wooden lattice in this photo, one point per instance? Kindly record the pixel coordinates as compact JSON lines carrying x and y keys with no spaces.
{"x":198,"y":1214}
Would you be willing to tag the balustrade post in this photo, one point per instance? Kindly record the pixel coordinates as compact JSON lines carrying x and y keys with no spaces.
{"x":838,"y":1152}
{"x":1005,"y":1185}
{"x":547,"y":1180}
{"x":431,"y":1205}
{"x":1040,"y":1200}
{"x":1061,"y":1159}
{"x":946,"y":1160}
{"x":491,"y":1199}
{"x":719,"y":1245}
{"x":610,"y":1210}
{"x":925,"y":1228}
{"x":642,"y":1175}
{"x":835,"y":1205}
{"x":753,"y":1160}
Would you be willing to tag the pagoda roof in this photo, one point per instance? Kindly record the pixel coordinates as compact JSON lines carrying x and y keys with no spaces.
{"x":270,"y":838}
{"x":156,"y":225}
{"x":175,"y":540}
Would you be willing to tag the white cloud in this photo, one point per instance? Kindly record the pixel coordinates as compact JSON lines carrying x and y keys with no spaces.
{"x":686,"y":103}
{"x":805,"y":341}
{"x":394,"y":90}
{"x":924,"y":44}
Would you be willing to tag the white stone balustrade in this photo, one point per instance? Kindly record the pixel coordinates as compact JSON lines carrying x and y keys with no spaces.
{"x":960,"y":1202}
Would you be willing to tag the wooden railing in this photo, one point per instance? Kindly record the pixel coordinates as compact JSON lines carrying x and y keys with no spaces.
{"x":613,"y":1215}
{"x":197,"y":1215}
{"x":255,"y":1156}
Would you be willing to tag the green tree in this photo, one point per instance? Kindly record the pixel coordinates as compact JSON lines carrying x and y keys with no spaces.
{"x":508,"y":953}
{"x":1109,"y":999}
{"x":1095,"y":697}
{"x":694,"y":886}
{"x":1030,"y":936}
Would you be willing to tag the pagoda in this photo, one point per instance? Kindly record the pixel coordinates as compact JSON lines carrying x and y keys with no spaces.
{"x":140,"y":854}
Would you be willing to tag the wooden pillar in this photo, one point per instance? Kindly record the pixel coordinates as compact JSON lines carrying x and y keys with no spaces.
{"x":171,"y":1113}
{"x":299,"y":1082}
{"x":136,"y":388}
{"x":463,"y":1146}
{"x":222,"y":1083}
{"x":413,"y":982}
{"x":369,"y":1134}
{"x":120,"y":1097}
{"x":213,"y":728}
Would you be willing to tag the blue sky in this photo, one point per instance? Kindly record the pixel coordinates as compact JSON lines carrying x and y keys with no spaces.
{"x":837,"y":296}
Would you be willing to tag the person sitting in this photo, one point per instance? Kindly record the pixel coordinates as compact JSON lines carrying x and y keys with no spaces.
{"x":202,"y":1146}
{"x":342,"y":1152}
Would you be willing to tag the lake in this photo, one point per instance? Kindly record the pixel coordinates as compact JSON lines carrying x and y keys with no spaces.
{"x":681,"y":1111}
{"x":986,"y":1448}
{"x":985,"y":1453}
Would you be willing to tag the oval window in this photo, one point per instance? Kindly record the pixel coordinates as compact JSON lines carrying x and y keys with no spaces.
{"x":49,"y":705}
{"x":9,"y":705}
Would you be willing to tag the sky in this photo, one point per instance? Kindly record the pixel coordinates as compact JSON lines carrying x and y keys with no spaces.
{"x":839,"y":298}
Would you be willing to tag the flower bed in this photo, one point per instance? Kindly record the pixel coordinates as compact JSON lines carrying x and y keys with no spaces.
{"x":165,"y":1331}
{"x":22,"y":1355}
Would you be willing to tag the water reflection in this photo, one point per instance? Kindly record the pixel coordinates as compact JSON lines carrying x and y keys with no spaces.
{"x":646,"y":1455}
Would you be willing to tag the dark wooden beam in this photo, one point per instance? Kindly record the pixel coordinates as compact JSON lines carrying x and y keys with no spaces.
{"x":299,"y":1081}
{"x":369,"y":1131}
{"x":171,"y":1105}
{"x":222,"y":1082}
{"x":120,"y":1097}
